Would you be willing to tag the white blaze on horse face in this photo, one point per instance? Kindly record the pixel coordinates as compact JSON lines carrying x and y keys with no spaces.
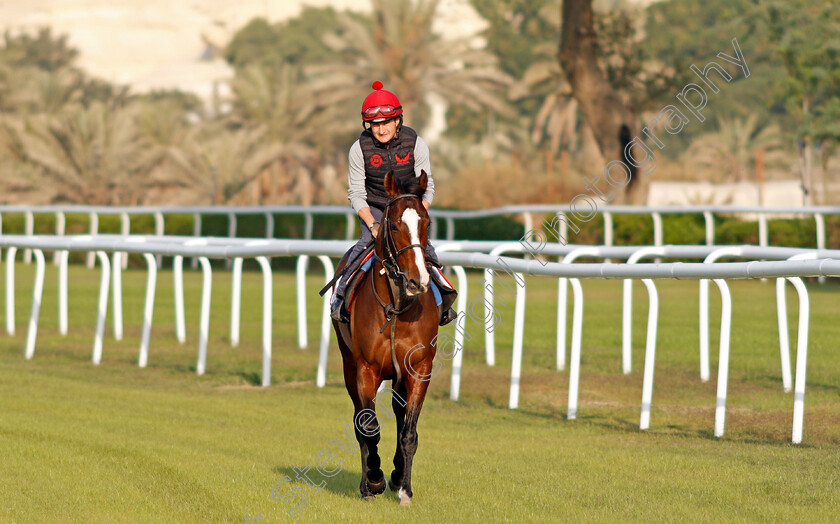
{"x":411,"y":219}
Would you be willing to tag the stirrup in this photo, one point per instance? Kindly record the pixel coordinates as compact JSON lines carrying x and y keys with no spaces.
{"x":339,"y":311}
{"x":447,"y":316}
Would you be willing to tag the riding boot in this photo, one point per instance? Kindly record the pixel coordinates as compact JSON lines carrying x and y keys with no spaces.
{"x":446,"y":316}
{"x":448,"y":294}
{"x":338,"y":310}
{"x":354,"y":257}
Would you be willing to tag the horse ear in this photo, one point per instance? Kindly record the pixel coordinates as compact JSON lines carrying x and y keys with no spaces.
{"x":423,"y":180}
{"x":391,"y":184}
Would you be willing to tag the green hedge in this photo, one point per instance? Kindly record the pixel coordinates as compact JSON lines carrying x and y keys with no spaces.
{"x":690,"y":228}
{"x":285,"y":226}
{"x":628,"y":229}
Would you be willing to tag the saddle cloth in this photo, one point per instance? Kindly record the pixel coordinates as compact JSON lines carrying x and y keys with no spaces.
{"x":357,"y":276}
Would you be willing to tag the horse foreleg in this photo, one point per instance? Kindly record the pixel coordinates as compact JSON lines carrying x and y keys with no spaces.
{"x":350,"y":373}
{"x":367,"y":431}
{"x":398,"y":404}
{"x":416,"y":390}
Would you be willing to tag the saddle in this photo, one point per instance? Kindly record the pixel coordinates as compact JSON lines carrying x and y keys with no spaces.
{"x":365,"y":263}
{"x":348,"y":268}
{"x":444,"y":292}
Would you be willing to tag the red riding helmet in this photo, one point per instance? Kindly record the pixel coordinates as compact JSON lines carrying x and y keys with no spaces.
{"x":380,"y":105}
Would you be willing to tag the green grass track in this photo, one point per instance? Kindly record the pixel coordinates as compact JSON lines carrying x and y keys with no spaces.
{"x":115,"y":443}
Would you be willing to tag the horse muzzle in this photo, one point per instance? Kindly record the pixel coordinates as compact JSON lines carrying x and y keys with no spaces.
{"x":415,"y":288}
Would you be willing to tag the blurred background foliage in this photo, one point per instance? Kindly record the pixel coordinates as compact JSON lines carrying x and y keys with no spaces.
{"x":496,"y":108}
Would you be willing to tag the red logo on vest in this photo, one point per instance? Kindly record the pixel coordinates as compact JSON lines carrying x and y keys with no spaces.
{"x":376,"y":160}
{"x":403,"y":160}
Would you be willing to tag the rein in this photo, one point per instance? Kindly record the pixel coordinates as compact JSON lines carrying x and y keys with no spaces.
{"x":396,"y":282}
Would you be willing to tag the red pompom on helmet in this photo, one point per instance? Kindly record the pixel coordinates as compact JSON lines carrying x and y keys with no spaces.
{"x":380,"y":105}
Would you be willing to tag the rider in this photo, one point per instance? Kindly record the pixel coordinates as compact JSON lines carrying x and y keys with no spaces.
{"x":385,"y":145}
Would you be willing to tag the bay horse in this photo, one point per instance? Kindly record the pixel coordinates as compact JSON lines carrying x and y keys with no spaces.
{"x":391,"y":335}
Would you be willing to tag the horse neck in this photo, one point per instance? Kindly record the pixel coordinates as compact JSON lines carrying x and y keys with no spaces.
{"x":381,"y":281}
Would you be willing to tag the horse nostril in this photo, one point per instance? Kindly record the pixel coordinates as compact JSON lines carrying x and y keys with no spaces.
{"x":416,"y":287}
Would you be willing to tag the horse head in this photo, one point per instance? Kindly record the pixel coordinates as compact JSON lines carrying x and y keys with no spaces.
{"x":404,"y":234}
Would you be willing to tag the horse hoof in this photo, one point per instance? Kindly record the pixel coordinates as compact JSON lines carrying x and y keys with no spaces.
{"x":378,"y":487}
{"x":391,"y":484}
{"x":405,"y":500}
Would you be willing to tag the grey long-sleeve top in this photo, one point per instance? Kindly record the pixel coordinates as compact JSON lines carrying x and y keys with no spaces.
{"x":356,"y":193}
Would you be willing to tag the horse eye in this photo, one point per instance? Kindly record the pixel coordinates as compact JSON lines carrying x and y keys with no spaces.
{"x":394,"y":227}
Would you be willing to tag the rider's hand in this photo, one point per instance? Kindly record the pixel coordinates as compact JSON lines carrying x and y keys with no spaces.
{"x":374,"y":229}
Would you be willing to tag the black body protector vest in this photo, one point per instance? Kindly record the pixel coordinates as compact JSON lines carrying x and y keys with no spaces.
{"x":397,"y":155}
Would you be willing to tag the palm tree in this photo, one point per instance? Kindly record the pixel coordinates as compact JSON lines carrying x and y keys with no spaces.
{"x":400,"y":48}
{"x":280,"y":101}
{"x":557,"y":117}
{"x":90,"y":155}
{"x":213,"y":163}
{"x":729,"y":153}
{"x":27,"y":90}
{"x":18,"y":179}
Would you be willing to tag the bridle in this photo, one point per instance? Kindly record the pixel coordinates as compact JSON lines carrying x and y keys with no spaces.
{"x":397,"y":279}
{"x":389,"y":261}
